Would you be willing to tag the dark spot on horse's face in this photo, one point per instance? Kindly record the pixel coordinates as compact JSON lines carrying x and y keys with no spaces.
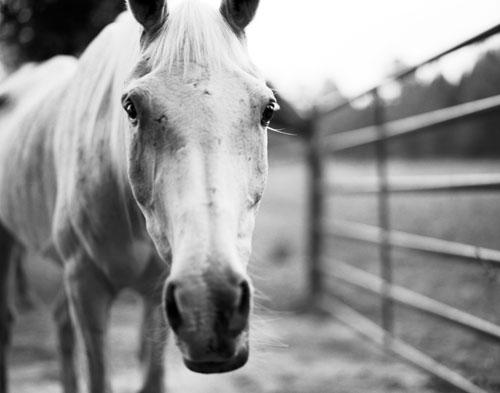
{"x":4,"y":100}
{"x":207,"y":93}
{"x":258,"y":197}
{"x":175,"y":141}
{"x":252,"y":203}
{"x":162,"y":119}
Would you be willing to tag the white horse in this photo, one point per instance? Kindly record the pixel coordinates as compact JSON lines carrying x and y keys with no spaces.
{"x":141,"y":165}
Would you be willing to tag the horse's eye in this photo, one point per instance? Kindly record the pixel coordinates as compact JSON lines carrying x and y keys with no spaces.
{"x":268,"y":113}
{"x":130,"y":109}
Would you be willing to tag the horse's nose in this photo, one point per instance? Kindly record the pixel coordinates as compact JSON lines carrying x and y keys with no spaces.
{"x":209,"y":305}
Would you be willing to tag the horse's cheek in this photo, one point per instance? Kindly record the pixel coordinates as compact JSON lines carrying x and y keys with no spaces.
{"x":140,"y":174}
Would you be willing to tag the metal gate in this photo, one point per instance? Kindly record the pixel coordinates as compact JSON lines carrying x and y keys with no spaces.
{"x":322,"y":225}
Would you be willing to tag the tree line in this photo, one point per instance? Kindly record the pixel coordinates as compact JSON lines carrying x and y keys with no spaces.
{"x":478,"y":137}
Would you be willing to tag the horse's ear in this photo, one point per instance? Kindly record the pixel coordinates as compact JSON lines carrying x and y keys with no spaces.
{"x":151,"y":14}
{"x":239,"y":13}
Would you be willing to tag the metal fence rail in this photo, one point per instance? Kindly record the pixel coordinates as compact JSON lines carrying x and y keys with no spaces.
{"x":409,"y":125}
{"x":373,"y":332}
{"x":413,"y":184}
{"x":410,"y":241}
{"x":321,"y":147}
{"x":362,"y":279}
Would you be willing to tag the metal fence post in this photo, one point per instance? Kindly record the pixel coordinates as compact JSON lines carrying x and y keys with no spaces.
{"x":384,"y":218}
{"x":315,"y":166}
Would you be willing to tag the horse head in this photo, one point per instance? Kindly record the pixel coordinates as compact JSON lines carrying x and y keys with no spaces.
{"x":197,"y":165}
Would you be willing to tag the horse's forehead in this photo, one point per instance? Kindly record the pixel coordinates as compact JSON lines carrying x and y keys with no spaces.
{"x":203,"y":105}
{"x":204,"y":84}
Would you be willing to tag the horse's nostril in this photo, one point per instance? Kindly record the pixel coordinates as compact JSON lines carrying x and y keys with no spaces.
{"x":241,"y":312}
{"x":172,"y":309}
{"x":244,"y":305}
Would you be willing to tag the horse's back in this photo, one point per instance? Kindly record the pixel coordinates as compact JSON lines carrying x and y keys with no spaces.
{"x":29,"y":103}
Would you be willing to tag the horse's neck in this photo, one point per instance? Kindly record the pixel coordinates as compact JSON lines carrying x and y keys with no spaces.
{"x":31,"y":98}
{"x":92,"y":125}
{"x":90,"y":144}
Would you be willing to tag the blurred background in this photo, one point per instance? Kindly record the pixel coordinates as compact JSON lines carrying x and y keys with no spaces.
{"x":320,"y":56}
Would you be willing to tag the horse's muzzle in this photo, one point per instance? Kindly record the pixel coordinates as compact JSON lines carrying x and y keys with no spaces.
{"x":209,"y":315}
{"x":219,"y":366}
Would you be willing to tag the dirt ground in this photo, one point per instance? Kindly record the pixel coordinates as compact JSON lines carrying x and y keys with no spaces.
{"x":294,"y":353}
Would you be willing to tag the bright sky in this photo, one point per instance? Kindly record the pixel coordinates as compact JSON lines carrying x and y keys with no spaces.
{"x":300,"y":43}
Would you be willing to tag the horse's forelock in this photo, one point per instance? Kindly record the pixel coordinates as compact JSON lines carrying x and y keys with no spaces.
{"x":196,"y":32}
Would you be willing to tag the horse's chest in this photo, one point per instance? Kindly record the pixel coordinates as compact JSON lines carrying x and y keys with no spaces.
{"x":125,"y":267}
{"x":103,"y":220}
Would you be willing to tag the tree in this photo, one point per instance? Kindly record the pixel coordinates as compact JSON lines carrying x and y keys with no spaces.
{"x":34,"y":30}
